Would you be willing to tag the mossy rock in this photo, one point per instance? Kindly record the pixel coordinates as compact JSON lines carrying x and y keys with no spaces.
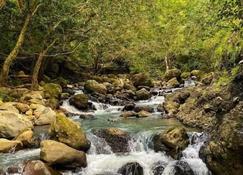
{"x":185,"y":75}
{"x":116,"y":138}
{"x":142,"y":79}
{"x":93,"y":86}
{"x":197,"y":73}
{"x":52,"y":90}
{"x":67,"y":131}
{"x":53,"y":103}
{"x":80,"y":101}
{"x":173,"y":140}
{"x":143,"y":94}
{"x":172,"y":73}
{"x":173,"y":83}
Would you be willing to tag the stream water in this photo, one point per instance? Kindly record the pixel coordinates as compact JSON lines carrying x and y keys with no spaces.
{"x":101,"y":159}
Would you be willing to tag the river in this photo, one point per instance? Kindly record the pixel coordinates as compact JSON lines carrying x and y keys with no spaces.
{"x":101,"y":159}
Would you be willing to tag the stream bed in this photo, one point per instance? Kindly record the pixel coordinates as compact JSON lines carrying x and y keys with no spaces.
{"x":102,"y":161}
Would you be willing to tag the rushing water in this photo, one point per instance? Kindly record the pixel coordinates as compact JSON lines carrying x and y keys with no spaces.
{"x":101,"y":159}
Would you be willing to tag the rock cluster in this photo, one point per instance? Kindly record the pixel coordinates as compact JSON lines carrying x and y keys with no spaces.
{"x":18,"y":121}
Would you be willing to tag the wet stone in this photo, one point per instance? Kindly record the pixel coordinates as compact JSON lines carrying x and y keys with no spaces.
{"x":132,"y":168}
{"x":158,"y":168}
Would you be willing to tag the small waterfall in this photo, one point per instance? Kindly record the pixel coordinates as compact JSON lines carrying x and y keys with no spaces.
{"x":98,"y":145}
{"x":102,"y":108}
{"x":69,"y":108}
{"x":191,"y":153}
{"x":153,"y":101}
{"x":141,"y":142}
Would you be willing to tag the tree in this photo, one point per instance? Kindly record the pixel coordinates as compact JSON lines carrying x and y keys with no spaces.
{"x":30,"y":7}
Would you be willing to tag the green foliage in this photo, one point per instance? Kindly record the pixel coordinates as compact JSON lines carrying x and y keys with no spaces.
{"x":192,"y":34}
{"x":226,"y":77}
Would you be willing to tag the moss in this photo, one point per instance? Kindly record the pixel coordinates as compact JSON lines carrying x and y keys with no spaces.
{"x":68,"y":132}
{"x":142,"y":79}
{"x":80,"y":101}
{"x":53,"y":103}
{"x":226,"y":78}
{"x":172,"y":73}
{"x":197,"y":73}
{"x":5,"y":95}
{"x":93,"y":86}
{"x":52,"y":90}
{"x":185,"y":75}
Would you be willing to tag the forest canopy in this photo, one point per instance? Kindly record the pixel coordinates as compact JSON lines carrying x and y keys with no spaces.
{"x":147,"y":35}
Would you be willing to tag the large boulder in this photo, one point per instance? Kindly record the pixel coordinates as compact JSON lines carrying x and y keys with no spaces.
{"x":62,"y":156}
{"x":132,"y":168}
{"x":143,"y":94}
{"x":172,"y":73}
{"x":116,"y":138}
{"x":9,"y":145}
{"x":43,"y":115}
{"x":93,"y":86}
{"x":37,"y":167}
{"x":173,"y":141}
{"x":66,"y":131}
{"x":141,"y":79}
{"x":12,"y":124}
{"x":80,"y":101}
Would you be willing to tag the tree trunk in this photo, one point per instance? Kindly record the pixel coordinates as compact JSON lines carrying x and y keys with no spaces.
{"x":37,"y":67}
{"x":36,"y":70}
{"x":13,"y":54}
{"x":167,"y":63}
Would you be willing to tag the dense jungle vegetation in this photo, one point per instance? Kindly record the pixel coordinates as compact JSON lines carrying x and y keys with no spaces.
{"x":144,"y":36}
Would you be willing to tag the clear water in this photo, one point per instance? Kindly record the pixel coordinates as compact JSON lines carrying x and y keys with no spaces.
{"x":101,"y":159}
